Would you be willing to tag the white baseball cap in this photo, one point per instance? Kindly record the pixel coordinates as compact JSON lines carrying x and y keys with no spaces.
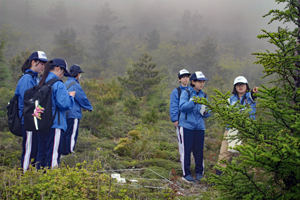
{"x":183,"y":72}
{"x":240,"y":79}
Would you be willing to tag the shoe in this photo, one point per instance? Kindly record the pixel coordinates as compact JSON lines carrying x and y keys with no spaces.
{"x":188,"y":179}
{"x":218,"y":172}
{"x":198,"y":177}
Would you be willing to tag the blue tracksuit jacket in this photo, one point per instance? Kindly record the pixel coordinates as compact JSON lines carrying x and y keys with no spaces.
{"x":247,"y":98}
{"x":81,"y":101}
{"x":174,"y":103}
{"x":25,"y":82}
{"x":62,"y":100}
{"x":190,"y":117}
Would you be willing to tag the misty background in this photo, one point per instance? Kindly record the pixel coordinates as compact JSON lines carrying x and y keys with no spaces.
{"x":106,"y":37}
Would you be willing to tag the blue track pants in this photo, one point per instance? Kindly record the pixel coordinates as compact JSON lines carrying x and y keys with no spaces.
{"x":193,"y":141}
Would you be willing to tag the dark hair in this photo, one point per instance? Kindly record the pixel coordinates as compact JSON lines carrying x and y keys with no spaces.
{"x":183,"y":75}
{"x":191,"y":84}
{"x":73,"y":75}
{"x":235,"y":92}
{"x":47,"y":69}
{"x":26,"y":65}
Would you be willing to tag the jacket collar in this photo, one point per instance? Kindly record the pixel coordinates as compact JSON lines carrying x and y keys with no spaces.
{"x":195,"y":91}
{"x":29,"y":70}
{"x":73,"y":79}
{"x":51,"y":75}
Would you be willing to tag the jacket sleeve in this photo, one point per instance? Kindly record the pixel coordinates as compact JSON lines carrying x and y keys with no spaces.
{"x":174,"y":106}
{"x":81,"y":98}
{"x":186,"y":104}
{"x":25,"y":83}
{"x":63,"y":100}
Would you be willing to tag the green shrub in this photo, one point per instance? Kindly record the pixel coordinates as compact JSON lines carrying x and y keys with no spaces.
{"x":10,"y":150}
{"x":6,"y":94}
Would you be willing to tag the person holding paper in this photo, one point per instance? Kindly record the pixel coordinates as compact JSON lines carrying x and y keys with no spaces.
{"x":192,"y":126}
{"x":49,"y":142}
{"x":241,"y":92}
{"x":74,"y":115}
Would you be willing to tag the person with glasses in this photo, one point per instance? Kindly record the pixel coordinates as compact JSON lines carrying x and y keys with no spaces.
{"x":49,"y":142}
{"x":33,"y":66}
{"x":242,"y":93}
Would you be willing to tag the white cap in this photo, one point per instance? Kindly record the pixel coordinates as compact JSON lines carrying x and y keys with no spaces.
{"x":240,"y":79}
{"x":184,"y":71}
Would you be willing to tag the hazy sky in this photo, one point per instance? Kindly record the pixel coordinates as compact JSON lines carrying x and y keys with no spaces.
{"x":227,"y":15}
{"x":220,"y":17}
{"x":220,"y":14}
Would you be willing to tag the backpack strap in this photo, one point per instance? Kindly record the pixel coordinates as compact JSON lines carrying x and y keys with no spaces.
{"x":189,"y":95}
{"x":50,"y":83}
{"x":179,"y":94}
{"x":30,"y":73}
{"x":72,"y":83}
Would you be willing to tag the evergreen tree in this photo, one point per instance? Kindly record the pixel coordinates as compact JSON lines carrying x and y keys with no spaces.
{"x":67,"y":46}
{"x":153,"y":40}
{"x":58,"y":14}
{"x":4,"y":71}
{"x":206,"y":59}
{"x":268,"y":166}
{"x":103,"y":44}
{"x":142,"y":77}
{"x":190,"y":26}
{"x":104,"y":33}
{"x":15,"y":65}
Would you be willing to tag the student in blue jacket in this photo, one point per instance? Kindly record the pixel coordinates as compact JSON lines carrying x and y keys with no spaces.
{"x":242,"y":93}
{"x":183,"y":78}
{"x":33,"y":66}
{"x":49,"y":142}
{"x":192,"y":126}
{"x":74,"y":115}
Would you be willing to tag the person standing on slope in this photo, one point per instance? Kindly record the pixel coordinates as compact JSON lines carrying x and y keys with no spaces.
{"x":74,"y":115}
{"x":192,"y":126}
{"x":33,"y":66}
{"x":241,"y":92}
{"x":183,"y":78}
{"x":49,"y":142}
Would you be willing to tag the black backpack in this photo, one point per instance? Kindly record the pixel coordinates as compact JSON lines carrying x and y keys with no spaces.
{"x":13,"y":119}
{"x":42,"y":95}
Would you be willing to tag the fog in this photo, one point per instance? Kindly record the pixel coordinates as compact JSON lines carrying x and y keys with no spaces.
{"x":126,"y":24}
{"x":220,"y":16}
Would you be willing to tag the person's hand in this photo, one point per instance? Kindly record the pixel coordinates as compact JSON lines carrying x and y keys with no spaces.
{"x":255,"y":89}
{"x":72,"y":93}
{"x":176,"y":123}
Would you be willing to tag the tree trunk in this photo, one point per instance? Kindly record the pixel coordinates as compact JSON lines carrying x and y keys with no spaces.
{"x":297,"y":70}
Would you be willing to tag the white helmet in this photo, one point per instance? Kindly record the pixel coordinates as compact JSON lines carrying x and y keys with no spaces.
{"x":240,"y":79}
